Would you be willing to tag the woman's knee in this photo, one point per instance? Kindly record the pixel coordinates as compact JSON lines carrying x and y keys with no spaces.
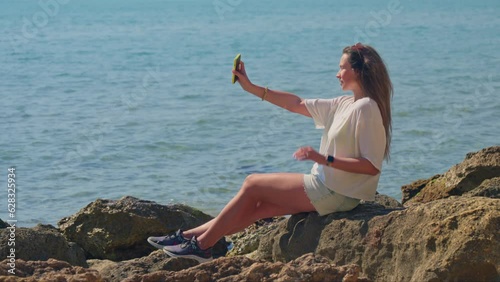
{"x":251,"y":181}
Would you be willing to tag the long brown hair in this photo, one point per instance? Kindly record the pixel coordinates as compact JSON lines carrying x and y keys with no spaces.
{"x":375,"y":82}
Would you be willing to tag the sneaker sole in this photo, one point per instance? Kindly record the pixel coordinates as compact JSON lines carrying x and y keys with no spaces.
{"x":156,"y":245}
{"x":197,"y":258}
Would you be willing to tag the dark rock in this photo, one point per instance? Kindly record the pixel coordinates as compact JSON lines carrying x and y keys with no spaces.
{"x":459,"y":180}
{"x":489,"y":188}
{"x":386,"y":201}
{"x":41,"y":243}
{"x":453,"y":239}
{"x":305,"y":230}
{"x":3,"y":224}
{"x":50,"y":270}
{"x":117,"y":230}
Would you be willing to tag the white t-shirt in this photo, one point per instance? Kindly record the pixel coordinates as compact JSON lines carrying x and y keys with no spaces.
{"x":352,"y":129}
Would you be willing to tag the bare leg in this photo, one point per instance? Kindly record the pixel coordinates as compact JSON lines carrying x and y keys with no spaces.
{"x":259,"y":213}
{"x":262,"y":210}
{"x":277,"y":193}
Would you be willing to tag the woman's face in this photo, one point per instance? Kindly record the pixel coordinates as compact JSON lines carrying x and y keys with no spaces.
{"x":347,"y":76}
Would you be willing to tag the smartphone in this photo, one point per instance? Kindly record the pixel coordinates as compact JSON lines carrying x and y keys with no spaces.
{"x":236,"y":66}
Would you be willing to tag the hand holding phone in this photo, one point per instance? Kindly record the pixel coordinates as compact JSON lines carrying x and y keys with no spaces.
{"x":236,"y":66}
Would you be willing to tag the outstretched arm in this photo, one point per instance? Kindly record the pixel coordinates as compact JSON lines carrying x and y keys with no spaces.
{"x":285,"y":100}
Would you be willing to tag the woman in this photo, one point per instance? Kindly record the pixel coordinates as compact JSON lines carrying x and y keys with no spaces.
{"x":356,"y":139}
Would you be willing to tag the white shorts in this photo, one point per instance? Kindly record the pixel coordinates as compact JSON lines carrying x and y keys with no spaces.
{"x":324,"y":199}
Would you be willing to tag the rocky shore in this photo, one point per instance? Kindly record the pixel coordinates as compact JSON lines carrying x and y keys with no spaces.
{"x":446,"y":228}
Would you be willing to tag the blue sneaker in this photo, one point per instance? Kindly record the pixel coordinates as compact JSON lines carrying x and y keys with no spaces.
{"x":189,"y":249}
{"x":169,"y":240}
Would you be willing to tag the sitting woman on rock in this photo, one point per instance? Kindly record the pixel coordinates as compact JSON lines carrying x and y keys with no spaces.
{"x":355,"y":141}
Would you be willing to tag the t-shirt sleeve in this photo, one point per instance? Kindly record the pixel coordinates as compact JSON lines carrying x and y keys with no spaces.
{"x":370,"y":134}
{"x":320,"y":110}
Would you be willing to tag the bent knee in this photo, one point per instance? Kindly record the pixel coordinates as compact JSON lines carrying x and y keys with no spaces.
{"x":250,"y":182}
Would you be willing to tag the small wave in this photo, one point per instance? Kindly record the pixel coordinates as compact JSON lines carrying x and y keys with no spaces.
{"x":417,"y":132}
{"x":142,"y":54}
{"x":190,"y":96}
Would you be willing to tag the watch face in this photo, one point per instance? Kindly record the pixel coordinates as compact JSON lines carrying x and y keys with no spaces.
{"x":330,"y":159}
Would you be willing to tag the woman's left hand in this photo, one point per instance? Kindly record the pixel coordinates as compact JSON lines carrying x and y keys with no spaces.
{"x":307,"y":153}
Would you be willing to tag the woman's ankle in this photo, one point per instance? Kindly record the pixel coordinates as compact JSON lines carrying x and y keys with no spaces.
{"x":202,"y":244}
{"x":188,"y":234}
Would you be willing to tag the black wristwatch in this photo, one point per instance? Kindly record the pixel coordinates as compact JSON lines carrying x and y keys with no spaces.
{"x":329,"y":160}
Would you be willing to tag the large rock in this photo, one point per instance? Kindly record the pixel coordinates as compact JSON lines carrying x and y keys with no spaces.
{"x":460,"y":179}
{"x":117,"y":230}
{"x":50,"y":270}
{"x":247,"y":241}
{"x":308,"y":268}
{"x":41,"y":243}
{"x":301,"y":233}
{"x":453,"y":239}
{"x":156,"y":261}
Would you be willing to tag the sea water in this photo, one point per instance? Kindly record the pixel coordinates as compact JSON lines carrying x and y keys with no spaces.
{"x":102,"y":99}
